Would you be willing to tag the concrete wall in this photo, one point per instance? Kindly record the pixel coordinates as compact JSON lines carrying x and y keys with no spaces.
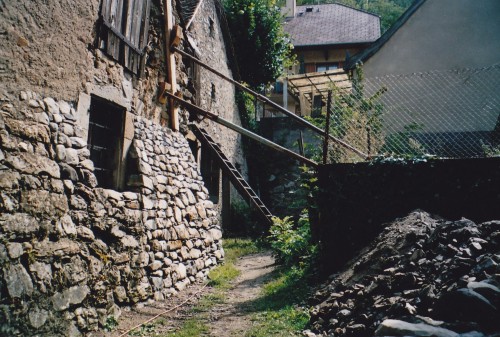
{"x":441,"y":35}
{"x":432,"y":69}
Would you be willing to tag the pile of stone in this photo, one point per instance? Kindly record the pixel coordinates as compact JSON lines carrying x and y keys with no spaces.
{"x":71,"y":253}
{"x":421,"y":277}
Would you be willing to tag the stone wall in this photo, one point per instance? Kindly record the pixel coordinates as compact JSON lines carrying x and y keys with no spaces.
{"x":72,"y":253}
{"x":281,"y":182}
{"x":215,"y":94}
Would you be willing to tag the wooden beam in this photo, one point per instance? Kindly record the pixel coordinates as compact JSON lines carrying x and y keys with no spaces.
{"x":243,"y":131}
{"x":272,"y":104}
{"x":171,"y":70}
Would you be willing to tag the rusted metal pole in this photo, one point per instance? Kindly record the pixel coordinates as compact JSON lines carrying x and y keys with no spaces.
{"x":327,"y":127}
{"x":274,"y":105}
{"x":242,"y":131}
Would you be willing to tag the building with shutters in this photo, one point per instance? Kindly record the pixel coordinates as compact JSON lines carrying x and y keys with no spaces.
{"x":107,"y":198}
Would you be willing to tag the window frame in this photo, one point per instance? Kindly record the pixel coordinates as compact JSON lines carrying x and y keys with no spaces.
{"x":102,"y":110}
{"x":328,"y":66}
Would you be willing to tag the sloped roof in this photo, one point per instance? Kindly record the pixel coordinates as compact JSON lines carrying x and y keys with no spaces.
{"x":370,"y":51}
{"x":332,"y":24}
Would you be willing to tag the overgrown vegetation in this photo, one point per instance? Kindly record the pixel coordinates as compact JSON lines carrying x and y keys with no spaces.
{"x":262,"y":49}
{"x":291,"y":241}
{"x":388,"y":10}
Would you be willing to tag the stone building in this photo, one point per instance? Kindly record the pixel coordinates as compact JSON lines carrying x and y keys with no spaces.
{"x":102,"y":203}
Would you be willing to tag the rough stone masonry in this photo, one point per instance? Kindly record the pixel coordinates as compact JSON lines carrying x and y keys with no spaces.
{"x":71,"y":253}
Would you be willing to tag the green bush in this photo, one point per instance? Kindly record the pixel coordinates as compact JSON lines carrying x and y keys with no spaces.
{"x":291,"y":242}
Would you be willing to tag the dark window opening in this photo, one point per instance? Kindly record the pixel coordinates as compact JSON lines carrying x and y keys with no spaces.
{"x":193,"y":145}
{"x":211,"y":27}
{"x":124,"y":31}
{"x":105,"y":141}
{"x":210,"y":172}
{"x":317,"y":106}
{"x":326,"y":66}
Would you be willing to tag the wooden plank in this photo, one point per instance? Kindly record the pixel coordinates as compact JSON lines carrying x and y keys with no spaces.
{"x":307,"y":81}
{"x":128,"y":27}
{"x":325,"y":87}
{"x":137,"y":21}
{"x":105,"y":7}
{"x":318,"y":74}
{"x":143,"y":35}
{"x":144,"y":26}
{"x":170,"y":57}
{"x":119,"y":21}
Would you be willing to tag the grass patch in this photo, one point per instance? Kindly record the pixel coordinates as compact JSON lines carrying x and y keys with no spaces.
{"x":236,"y":248}
{"x":221,"y":276}
{"x":208,"y":301}
{"x":278,"y":311}
{"x":191,"y":328}
{"x":287,"y":321}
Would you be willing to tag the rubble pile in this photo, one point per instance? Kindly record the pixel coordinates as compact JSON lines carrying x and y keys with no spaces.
{"x":421,"y":277}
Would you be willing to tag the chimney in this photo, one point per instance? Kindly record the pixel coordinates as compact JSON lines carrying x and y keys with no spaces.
{"x":290,"y":9}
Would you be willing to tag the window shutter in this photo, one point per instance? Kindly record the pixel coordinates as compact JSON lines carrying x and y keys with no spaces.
{"x":124,"y":31}
{"x":310,"y":67}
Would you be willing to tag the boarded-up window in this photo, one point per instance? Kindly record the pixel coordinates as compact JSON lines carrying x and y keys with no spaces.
{"x":124,"y":31}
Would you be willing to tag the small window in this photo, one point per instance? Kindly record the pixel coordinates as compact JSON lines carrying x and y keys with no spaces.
{"x":211,"y":27}
{"x":105,"y":142}
{"x":327,"y":66}
{"x":124,"y":31}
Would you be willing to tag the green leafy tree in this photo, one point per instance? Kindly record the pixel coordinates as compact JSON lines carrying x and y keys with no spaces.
{"x":262,"y":48}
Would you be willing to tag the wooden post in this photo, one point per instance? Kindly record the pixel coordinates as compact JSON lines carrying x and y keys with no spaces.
{"x":170,"y":59}
{"x":301,"y":144}
{"x":327,"y":127}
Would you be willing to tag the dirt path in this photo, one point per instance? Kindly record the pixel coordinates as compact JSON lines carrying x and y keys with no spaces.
{"x":233,"y":317}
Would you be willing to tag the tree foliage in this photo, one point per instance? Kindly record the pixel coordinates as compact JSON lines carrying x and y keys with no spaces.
{"x":262,"y":49}
{"x":388,"y":10}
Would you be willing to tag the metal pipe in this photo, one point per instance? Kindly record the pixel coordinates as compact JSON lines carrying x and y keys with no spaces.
{"x":242,"y":131}
{"x":274,"y":105}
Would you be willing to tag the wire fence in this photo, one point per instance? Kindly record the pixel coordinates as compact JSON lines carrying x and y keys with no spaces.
{"x":450,"y":114}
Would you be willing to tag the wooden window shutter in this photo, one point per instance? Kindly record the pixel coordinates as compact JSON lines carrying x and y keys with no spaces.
{"x":124,"y":31}
{"x":310,"y":67}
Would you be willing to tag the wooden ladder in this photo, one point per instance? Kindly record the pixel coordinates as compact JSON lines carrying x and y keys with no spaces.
{"x":234,"y":175}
